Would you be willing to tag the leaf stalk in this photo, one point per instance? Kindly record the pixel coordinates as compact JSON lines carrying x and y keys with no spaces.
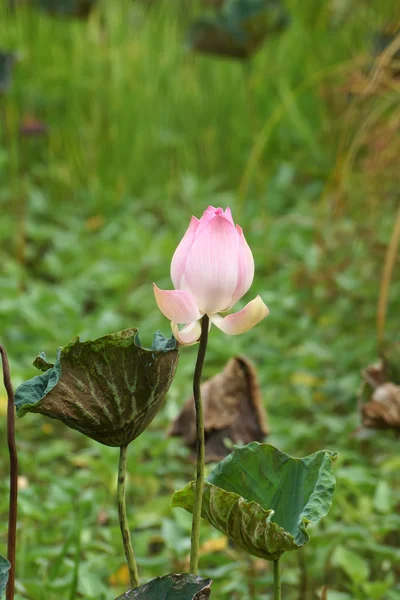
{"x":123,"y":518}
{"x":277,"y":580}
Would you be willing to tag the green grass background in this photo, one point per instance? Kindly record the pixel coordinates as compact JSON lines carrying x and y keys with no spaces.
{"x":142,"y":134}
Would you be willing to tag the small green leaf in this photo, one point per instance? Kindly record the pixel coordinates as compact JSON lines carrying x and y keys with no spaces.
{"x":355,"y":567}
{"x":110,"y":388}
{"x":4,"y":568}
{"x":172,"y":587}
{"x":383,"y":499}
{"x":377,"y":590}
{"x":263,"y":499}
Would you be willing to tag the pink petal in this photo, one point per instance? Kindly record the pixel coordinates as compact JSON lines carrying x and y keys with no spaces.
{"x":244,"y":320}
{"x":246,"y":268}
{"x":208,"y":214}
{"x":177,"y":305}
{"x":181,"y":253}
{"x":187,"y":336}
{"x":228,"y":215}
{"x":211,"y":271}
{"x":212,"y":212}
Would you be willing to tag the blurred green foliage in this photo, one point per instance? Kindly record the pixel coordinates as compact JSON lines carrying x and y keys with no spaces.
{"x":140,"y":134}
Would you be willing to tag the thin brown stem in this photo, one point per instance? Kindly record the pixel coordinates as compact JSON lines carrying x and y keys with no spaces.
{"x":198,"y":497}
{"x":12,"y":449}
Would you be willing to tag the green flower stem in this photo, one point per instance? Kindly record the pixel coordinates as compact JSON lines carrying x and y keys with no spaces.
{"x":198,"y":498}
{"x":277,"y":580}
{"x":123,"y":519}
{"x":12,"y":449}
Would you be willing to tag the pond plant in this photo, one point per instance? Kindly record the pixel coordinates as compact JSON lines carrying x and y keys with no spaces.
{"x":111,"y":388}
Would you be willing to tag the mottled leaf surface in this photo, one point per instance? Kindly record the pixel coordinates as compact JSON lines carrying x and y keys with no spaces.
{"x":110,"y":388}
{"x":264,"y":499}
{"x":4,"y":568}
{"x":172,"y":587}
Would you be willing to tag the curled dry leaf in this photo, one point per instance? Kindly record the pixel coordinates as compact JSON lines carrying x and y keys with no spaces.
{"x":383,"y":410}
{"x":233,"y":410}
{"x":380,"y":397}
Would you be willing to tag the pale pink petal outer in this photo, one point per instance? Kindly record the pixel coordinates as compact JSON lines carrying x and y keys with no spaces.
{"x":187,"y":336}
{"x":228,"y":215}
{"x":246,"y":268}
{"x":211,"y":271}
{"x":244,"y":320}
{"x":177,"y":305}
{"x":181,"y":253}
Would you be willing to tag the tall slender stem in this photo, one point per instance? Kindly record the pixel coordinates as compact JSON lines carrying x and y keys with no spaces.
{"x":12,"y":449}
{"x":198,"y":498}
{"x":277,"y":580}
{"x":123,"y":519}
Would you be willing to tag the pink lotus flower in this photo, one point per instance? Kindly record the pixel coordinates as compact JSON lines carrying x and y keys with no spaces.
{"x":212,"y":268}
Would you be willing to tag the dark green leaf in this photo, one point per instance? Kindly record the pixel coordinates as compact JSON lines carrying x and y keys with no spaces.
{"x":68,"y":8}
{"x":110,"y":389}
{"x":263,"y":499}
{"x":238,"y":28}
{"x":172,"y":587}
{"x":7,"y":60}
{"x":4,"y":568}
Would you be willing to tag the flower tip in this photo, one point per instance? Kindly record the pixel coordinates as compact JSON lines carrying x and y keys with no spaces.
{"x":262,"y":304}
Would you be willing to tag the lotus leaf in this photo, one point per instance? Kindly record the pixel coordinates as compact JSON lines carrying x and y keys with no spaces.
{"x":264,"y":499}
{"x":4,"y":568}
{"x":110,"y":388}
{"x":172,"y":587}
{"x":238,"y":28}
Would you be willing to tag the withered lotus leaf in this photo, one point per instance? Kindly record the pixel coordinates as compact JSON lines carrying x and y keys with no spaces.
{"x":233,"y":410}
{"x":380,"y":395}
{"x":109,"y":389}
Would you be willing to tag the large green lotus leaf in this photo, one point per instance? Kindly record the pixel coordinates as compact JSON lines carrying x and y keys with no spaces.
{"x":110,"y":388}
{"x":238,"y":28}
{"x":4,"y":568}
{"x":263,"y":499}
{"x":172,"y":587}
